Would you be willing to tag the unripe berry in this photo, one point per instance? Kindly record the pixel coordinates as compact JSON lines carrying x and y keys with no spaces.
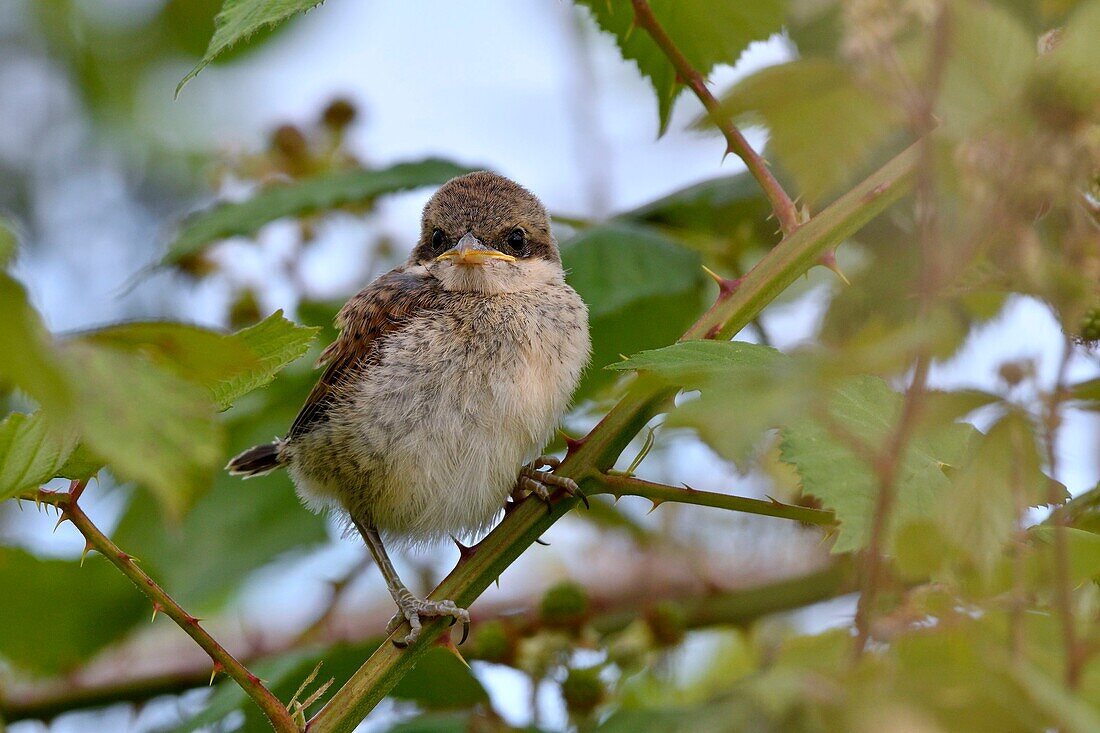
{"x":564,"y":606}
{"x":338,"y":114}
{"x":667,"y":622}
{"x":1090,"y":324}
{"x":583,"y":691}
{"x":494,"y":643}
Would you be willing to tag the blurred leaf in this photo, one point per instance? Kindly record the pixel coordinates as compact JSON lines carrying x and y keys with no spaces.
{"x":1084,"y":554}
{"x":197,"y":354}
{"x":687,"y":362}
{"x":57,"y":614}
{"x":822,"y":124}
{"x":831,"y":471}
{"x":628,"y":276}
{"x":706,"y":33}
{"x":8,"y":243}
{"x":318,"y":193}
{"x":31,"y":452}
{"x":276,"y":342}
{"x":990,"y":55}
{"x":1073,"y":714}
{"x":1000,"y":479}
{"x":27,"y":359}
{"x":746,"y":389}
{"x":148,"y":424}
{"x":1088,"y":392}
{"x":81,"y":464}
{"x":730,"y":215}
{"x":239,"y":19}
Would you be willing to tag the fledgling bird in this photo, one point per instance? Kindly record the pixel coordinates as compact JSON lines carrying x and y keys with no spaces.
{"x":447,"y":379}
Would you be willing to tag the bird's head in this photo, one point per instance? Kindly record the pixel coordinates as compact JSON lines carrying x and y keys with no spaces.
{"x":485,"y":233}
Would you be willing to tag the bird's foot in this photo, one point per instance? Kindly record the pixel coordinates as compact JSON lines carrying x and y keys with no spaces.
{"x":413,"y":609}
{"x":543,"y":483}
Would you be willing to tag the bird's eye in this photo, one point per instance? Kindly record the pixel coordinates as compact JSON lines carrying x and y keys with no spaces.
{"x":516,"y":240}
{"x":438,"y":238}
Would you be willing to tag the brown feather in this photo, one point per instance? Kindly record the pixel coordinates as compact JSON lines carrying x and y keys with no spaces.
{"x":375,"y":311}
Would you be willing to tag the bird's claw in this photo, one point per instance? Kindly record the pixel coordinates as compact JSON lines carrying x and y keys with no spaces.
{"x":412,"y":609}
{"x":542,"y":483}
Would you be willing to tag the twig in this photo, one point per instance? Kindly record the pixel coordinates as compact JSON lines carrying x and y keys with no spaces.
{"x":785,"y":211}
{"x":1063,"y":600}
{"x":886,"y":469}
{"x":66,"y":503}
{"x":660,"y":493}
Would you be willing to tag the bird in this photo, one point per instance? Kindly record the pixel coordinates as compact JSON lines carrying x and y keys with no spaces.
{"x":447,"y":379}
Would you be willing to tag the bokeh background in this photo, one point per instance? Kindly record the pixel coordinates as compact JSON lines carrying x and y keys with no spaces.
{"x":99,"y":163}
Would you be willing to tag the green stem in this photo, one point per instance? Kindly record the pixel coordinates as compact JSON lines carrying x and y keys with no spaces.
{"x":275,"y":711}
{"x":601,"y":447}
{"x":618,"y":485}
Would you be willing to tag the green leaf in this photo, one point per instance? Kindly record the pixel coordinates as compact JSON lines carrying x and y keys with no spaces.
{"x":317,"y":193}
{"x":823,"y":126}
{"x":148,"y":424}
{"x":746,"y":389}
{"x":830,"y":470}
{"x":239,"y":19}
{"x":27,"y":359}
{"x":707,"y":33}
{"x":8,"y":243}
{"x":57,"y":613}
{"x":1088,"y":392}
{"x":979,"y":513}
{"x":731,"y":207}
{"x":31,"y":452}
{"x":275,"y":342}
{"x":991,"y":54}
{"x":689,"y":362}
{"x":630,"y":275}
{"x":197,"y":354}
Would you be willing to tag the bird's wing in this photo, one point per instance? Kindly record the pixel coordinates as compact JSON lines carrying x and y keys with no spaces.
{"x":376,"y":310}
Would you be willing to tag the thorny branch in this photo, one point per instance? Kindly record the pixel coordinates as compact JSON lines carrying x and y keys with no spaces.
{"x":785,"y":211}
{"x":70,"y":510}
{"x":618,"y":485}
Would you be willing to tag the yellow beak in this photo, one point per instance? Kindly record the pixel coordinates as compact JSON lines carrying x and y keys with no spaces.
{"x":469,"y":251}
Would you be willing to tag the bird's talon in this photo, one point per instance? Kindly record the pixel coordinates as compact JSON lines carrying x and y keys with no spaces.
{"x":465,"y":633}
{"x":412,"y":609}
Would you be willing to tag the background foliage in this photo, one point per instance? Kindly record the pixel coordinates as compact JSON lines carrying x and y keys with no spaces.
{"x":951,"y":148}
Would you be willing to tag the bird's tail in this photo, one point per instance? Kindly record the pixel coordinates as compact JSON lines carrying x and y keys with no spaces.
{"x":259,"y":460}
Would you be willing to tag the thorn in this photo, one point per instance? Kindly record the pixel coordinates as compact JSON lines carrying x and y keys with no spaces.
{"x":62,"y":516}
{"x":656,"y":503}
{"x":773,"y":500}
{"x":463,"y":550}
{"x":572,"y":444}
{"x":829,"y":260}
{"x":38,"y":500}
{"x":214,"y":672}
{"x":689,"y":488}
{"x":497,"y":581}
{"x":623,"y":357}
{"x":253,"y":679}
{"x":124,"y":557}
{"x":193,"y":620}
{"x":726,"y":287}
{"x":156,"y":609}
{"x":449,"y":645}
{"x":87,"y":548}
{"x":540,"y":541}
